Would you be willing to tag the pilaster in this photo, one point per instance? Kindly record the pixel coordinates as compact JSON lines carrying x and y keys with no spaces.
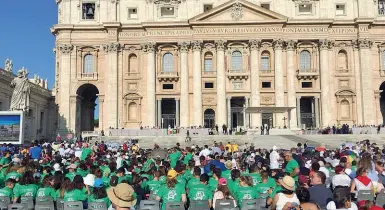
{"x":254,"y":45}
{"x":151,"y":118}
{"x":221,"y":83}
{"x":184,"y":84}
{"x":197,"y":76}
{"x":324,"y":46}
{"x":290,"y":82}
{"x":279,"y":88}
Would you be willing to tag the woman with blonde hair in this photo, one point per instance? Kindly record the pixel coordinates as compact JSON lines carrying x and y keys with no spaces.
{"x":172,"y":191}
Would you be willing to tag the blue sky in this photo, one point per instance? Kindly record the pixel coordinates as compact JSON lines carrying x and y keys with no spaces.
{"x":25,"y":36}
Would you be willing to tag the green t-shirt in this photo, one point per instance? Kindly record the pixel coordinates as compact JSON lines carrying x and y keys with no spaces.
{"x":200,"y":192}
{"x":174,"y":157}
{"x":75,"y":195}
{"x":226,"y":174}
{"x":153,"y":186}
{"x":71,"y":175}
{"x":6,"y":192}
{"x":276,"y":190}
{"x":193,"y":181}
{"x":186,"y":158}
{"x":28,"y":190}
{"x":290,"y":166}
{"x":13,"y":175}
{"x":213,"y":184}
{"x":256,"y":178}
{"x":85,"y":153}
{"x":81,"y":172}
{"x":181,"y":180}
{"x":46,"y":191}
{"x":188,"y":175}
{"x":245,"y":193}
{"x":171,"y":195}
{"x":263,"y":188}
{"x":233,"y":185}
{"x":162,"y":179}
{"x":4,"y":161}
{"x":106,"y":181}
{"x":92,"y":198}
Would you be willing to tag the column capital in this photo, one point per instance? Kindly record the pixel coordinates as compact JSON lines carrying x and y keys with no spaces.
{"x":65,"y":48}
{"x":220,"y":44}
{"x":291,"y":44}
{"x":148,"y":47}
{"x":177,"y":99}
{"x":254,"y":44}
{"x":112,"y":47}
{"x":228,"y":97}
{"x":196,"y":45}
{"x":183,"y":46}
{"x":325,"y":44}
{"x":364,"y":43}
{"x":278,"y":44}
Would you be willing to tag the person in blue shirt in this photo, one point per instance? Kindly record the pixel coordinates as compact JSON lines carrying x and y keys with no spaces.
{"x":35,"y":151}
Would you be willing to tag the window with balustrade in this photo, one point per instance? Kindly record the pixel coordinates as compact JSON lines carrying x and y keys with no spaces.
{"x":304,"y":61}
{"x":208,"y":62}
{"x":342,"y":60}
{"x":133,"y":63}
{"x":88,"y":64}
{"x":381,"y":7}
{"x":168,"y":62}
{"x":236,"y":61}
{"x":265,"y":61}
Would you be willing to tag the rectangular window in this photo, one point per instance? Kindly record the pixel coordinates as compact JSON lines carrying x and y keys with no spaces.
{"x":265,"y":63}
{"x":266,"y":84}
{"x":88,"y":11}
{"x":340,"y":9}
{"x":168,"y":86}
{"x":381,"y":7}
{"x":167,"y":11}
{"x":265,"y":6}
{"x":209,"y":85}
{"x":305,"y":9}
{"x":132,"y":13}
{"x":207,"y":7}
{"x":307,"y":84}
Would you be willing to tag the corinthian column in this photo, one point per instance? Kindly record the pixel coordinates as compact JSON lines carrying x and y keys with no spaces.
{"x":290,"y":83}
{"x":325,"y":45}
{"x":184,"y":87}
{"x":279,"y":88}
{"x":112,"y":87}
{"x":64,"y":87}
{"x":254,"y":81}
{"x":197,"y":75}
{"x":367,"y":93}
{"x":221,"y":84}
{"x":151,"y":119}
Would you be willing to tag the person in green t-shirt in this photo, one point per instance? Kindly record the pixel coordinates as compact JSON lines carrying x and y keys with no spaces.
{"x":174,"y":157}
{"x":265,"y":185}
{"x":27,"y":187}
{"x":201,"y":191}
{"x":188,"y":156}
{"x":14,"y":173}
{"x":245,"y":191}
{"x":7,"y":191}
{"x":86,"y":151}
{"x":71,"y":171}
{"x":47,"y":190}
{"x":5,"y":159}
{"x":82,"y":169}
{"x":120,"y":173}
{"x":292,"y":166}
{"x":213,"y":182}
{"x":227,"y":174}
{"x":64,"y":185}
{"x":99,"y":193}
{"x":171,"y":191}
{"x":75,"y":191}
{"x":233,"y":183}
{"x":152,"y":186}
{"x":254,"y":173}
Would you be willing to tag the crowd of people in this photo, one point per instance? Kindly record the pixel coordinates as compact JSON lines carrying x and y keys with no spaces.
{"x":302,"y":177}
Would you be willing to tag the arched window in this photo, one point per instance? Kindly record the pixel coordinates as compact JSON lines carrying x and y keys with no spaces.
{"x":345,"y":109}
{"x":342,"y":60}
{"x":168,"y":62}
{"x":236,"y":61}
{"x":133,"y":63}
{"x":208,"y":63}
{"x":265,"y":61}
{"x":88,"y":64}
{"x":304,"y":61}
{"x":132,"y":112}
{"x":383,"y":60}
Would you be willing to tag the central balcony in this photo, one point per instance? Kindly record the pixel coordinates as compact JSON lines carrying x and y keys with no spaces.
{"x":131,"y":75}
{"x":237,"y":74}
{"x":209,"y":74}
{"x":168,"y":76}
{"x":266,"y":73}
{"x":88,"y":76}
{"x":307,"y":73}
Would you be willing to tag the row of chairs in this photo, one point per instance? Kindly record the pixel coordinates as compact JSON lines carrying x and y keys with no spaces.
{"x":369,"y":195}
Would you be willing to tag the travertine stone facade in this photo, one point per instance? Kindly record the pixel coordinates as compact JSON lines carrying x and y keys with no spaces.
{"x":204,"y":62}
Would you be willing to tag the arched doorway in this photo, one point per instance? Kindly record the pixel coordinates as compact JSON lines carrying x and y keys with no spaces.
{"x":87,"y":112}
{"x":382,"y":102}
{"x":209,"y":118}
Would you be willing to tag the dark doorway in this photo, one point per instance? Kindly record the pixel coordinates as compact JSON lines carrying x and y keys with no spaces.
{"x":85,"y":108}
{"x":267,"y":119}
{"x":382,"y":102}
{"x":168,"y":113}
{"x":209,"y":118}
{"x":237,"y":111}
{"x":307,"y":112}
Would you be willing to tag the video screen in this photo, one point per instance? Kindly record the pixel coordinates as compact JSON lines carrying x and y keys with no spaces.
{"x":10,"y":126}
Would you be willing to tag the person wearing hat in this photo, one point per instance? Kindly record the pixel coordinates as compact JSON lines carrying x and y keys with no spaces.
{"x":99,"y":193}
{"x":201,"y":191}
{"x":287,"y":194}
{"x":71,"y":172}
{"x":172,"y":191}
{"x":122,"y":196}
{"x":227,"y":174}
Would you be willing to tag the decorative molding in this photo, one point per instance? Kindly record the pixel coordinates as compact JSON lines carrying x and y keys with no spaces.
{"x":325,"y":44}
{"x":183,"y":46}
{"x":166,"y":1}
{"x":364,"y":43}
{"x":237,"y":11}
{"x":112,"y":47}
{"x":150,"y":46}
{"x":220,"y":44}
{"x":254,"y":44}
{"x":196,"y":45}
{"x":278,"y":44}
{"x":291,"y":44}
{"x":65,"y":48}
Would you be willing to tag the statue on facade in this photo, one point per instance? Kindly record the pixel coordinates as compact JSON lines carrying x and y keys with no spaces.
{"x":21,"y":91}
{"x":8,"y":65}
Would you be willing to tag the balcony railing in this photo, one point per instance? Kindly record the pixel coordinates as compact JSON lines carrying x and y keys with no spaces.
{"x":381,"y":7}
{"x":342,"y":72}
{"x":209,"y":73}
{"x":237,"y":74}
{"x":132,"y":75}
{"x":382,"y":73}
{"x":307,"y":73}
{"x":168,"y":76}
{"x":266,"y":73}
{"x":88,"y":76}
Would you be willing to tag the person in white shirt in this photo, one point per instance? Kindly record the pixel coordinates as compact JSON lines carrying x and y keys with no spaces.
{"x":341,"y":178}
{"x":205,"y":152}
{"x":323,"y":168}
{"x":274,"y":159}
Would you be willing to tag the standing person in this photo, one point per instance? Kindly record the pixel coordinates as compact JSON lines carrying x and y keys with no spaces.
{"x":262,"y":130}
{"x":267,"y":130}
{"x":201,"y":191}
{"x":86,"y":151}
{"x":174,"y":157}
{"x":292,"y":166}
{"x":217,"y":128}
{"x":122,"y":196}
{"x":172,"y":191}
{"x":35,"y":151}
{"x":274,"y":158}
